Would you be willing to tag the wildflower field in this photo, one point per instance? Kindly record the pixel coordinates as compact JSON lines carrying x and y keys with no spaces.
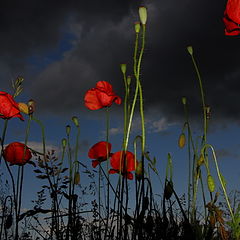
{"x":120,"y":202}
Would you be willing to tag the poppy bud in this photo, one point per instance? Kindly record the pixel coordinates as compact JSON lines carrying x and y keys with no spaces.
{"x":190,"y":50}
{"x":23,"y":107}
{"x":123,"y":67}
{"x":31,"y":106}
{"x":68,"y":129}
{"x":75,"y":120}
{"x":139,"y":171}
{"x":211,"y":184}
{"x":137,"y":27}
{"x":168,"y":190}
{"x":200,"y":160}
{"x":76,"y":178}
{"x":64,"y":142}
{"x":129,"y":80}
{"x":208,"y":112}
{"x":9,"y":221}
{"x":182,"y":140}
{"x":184,"y":100}
{"x":143,"y":15}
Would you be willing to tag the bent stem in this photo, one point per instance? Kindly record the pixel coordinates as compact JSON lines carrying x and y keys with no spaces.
{"x":220,"y":177}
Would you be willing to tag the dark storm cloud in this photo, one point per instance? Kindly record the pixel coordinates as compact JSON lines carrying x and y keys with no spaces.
{"x":103,"y":38}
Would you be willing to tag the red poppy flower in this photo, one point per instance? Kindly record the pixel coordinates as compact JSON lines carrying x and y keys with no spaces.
{"x":100,"y":152}
{"x":8,"y":107}
{"x":101,"y":96}
{"x":119,"y":165}
{"x":231,"y":18}
{"x":15,"y":155}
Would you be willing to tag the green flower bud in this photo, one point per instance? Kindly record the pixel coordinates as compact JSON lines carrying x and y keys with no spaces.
{"x":123,"y":67}
{"x":143,"y":15}
{"x":137,"y":27}
{"x":211,"y":184}
{"x":75,"y":120}
{"x":184,"y":100}
{"x":129,"y":80}
{"x":68,"y":129}
{"x":64,"y":142}
{"x":190,"y":50}
{"x":182,"y":140}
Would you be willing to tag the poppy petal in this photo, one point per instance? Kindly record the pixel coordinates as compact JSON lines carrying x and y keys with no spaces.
{"x":91,"y":100}
{"x":100,"y":150}
{"x":95,"y":163}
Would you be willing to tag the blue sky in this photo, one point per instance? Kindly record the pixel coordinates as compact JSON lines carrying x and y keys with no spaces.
{"x":64,"y":53}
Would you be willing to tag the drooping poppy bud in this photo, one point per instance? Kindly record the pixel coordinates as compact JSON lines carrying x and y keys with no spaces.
{"x":23,"y":107}
{"x":139,"y":171}
{"x":168,"y":190}
{"x":200,"y":160}
{"x":17,"y":153}
{"x":211,"y":183}
{"x":190,"y":50}
{"x":182,"y":140}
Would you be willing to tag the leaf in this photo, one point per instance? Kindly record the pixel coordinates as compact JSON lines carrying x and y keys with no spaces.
{"x":64,"y":170}
{"x":37,"y":171}
{"x":42,"y":176}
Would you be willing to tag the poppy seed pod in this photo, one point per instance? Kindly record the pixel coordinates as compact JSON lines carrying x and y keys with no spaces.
{"x":68,"y":129}
{"x":64,"y":142}
{"x":143,"y":15}
{"x":123,"y":67}
{"x":23,"y":107}
{"x":31,"y":106}
{"x":182,"y":140}
{"x":75,"y":121}
{"x":137,"y":27}
{"x":190,"y":50}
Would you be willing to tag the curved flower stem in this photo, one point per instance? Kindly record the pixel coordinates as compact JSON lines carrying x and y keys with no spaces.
{"x":220,"y":179}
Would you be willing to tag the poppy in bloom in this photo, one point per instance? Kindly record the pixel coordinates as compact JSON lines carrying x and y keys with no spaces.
{"x":8,"y":107}
{"x":17,"y":154}
{"x":231,"y":18}
{"x":123,"y":164}
{"x":100,"y":152}
{"x":101,"y":96}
